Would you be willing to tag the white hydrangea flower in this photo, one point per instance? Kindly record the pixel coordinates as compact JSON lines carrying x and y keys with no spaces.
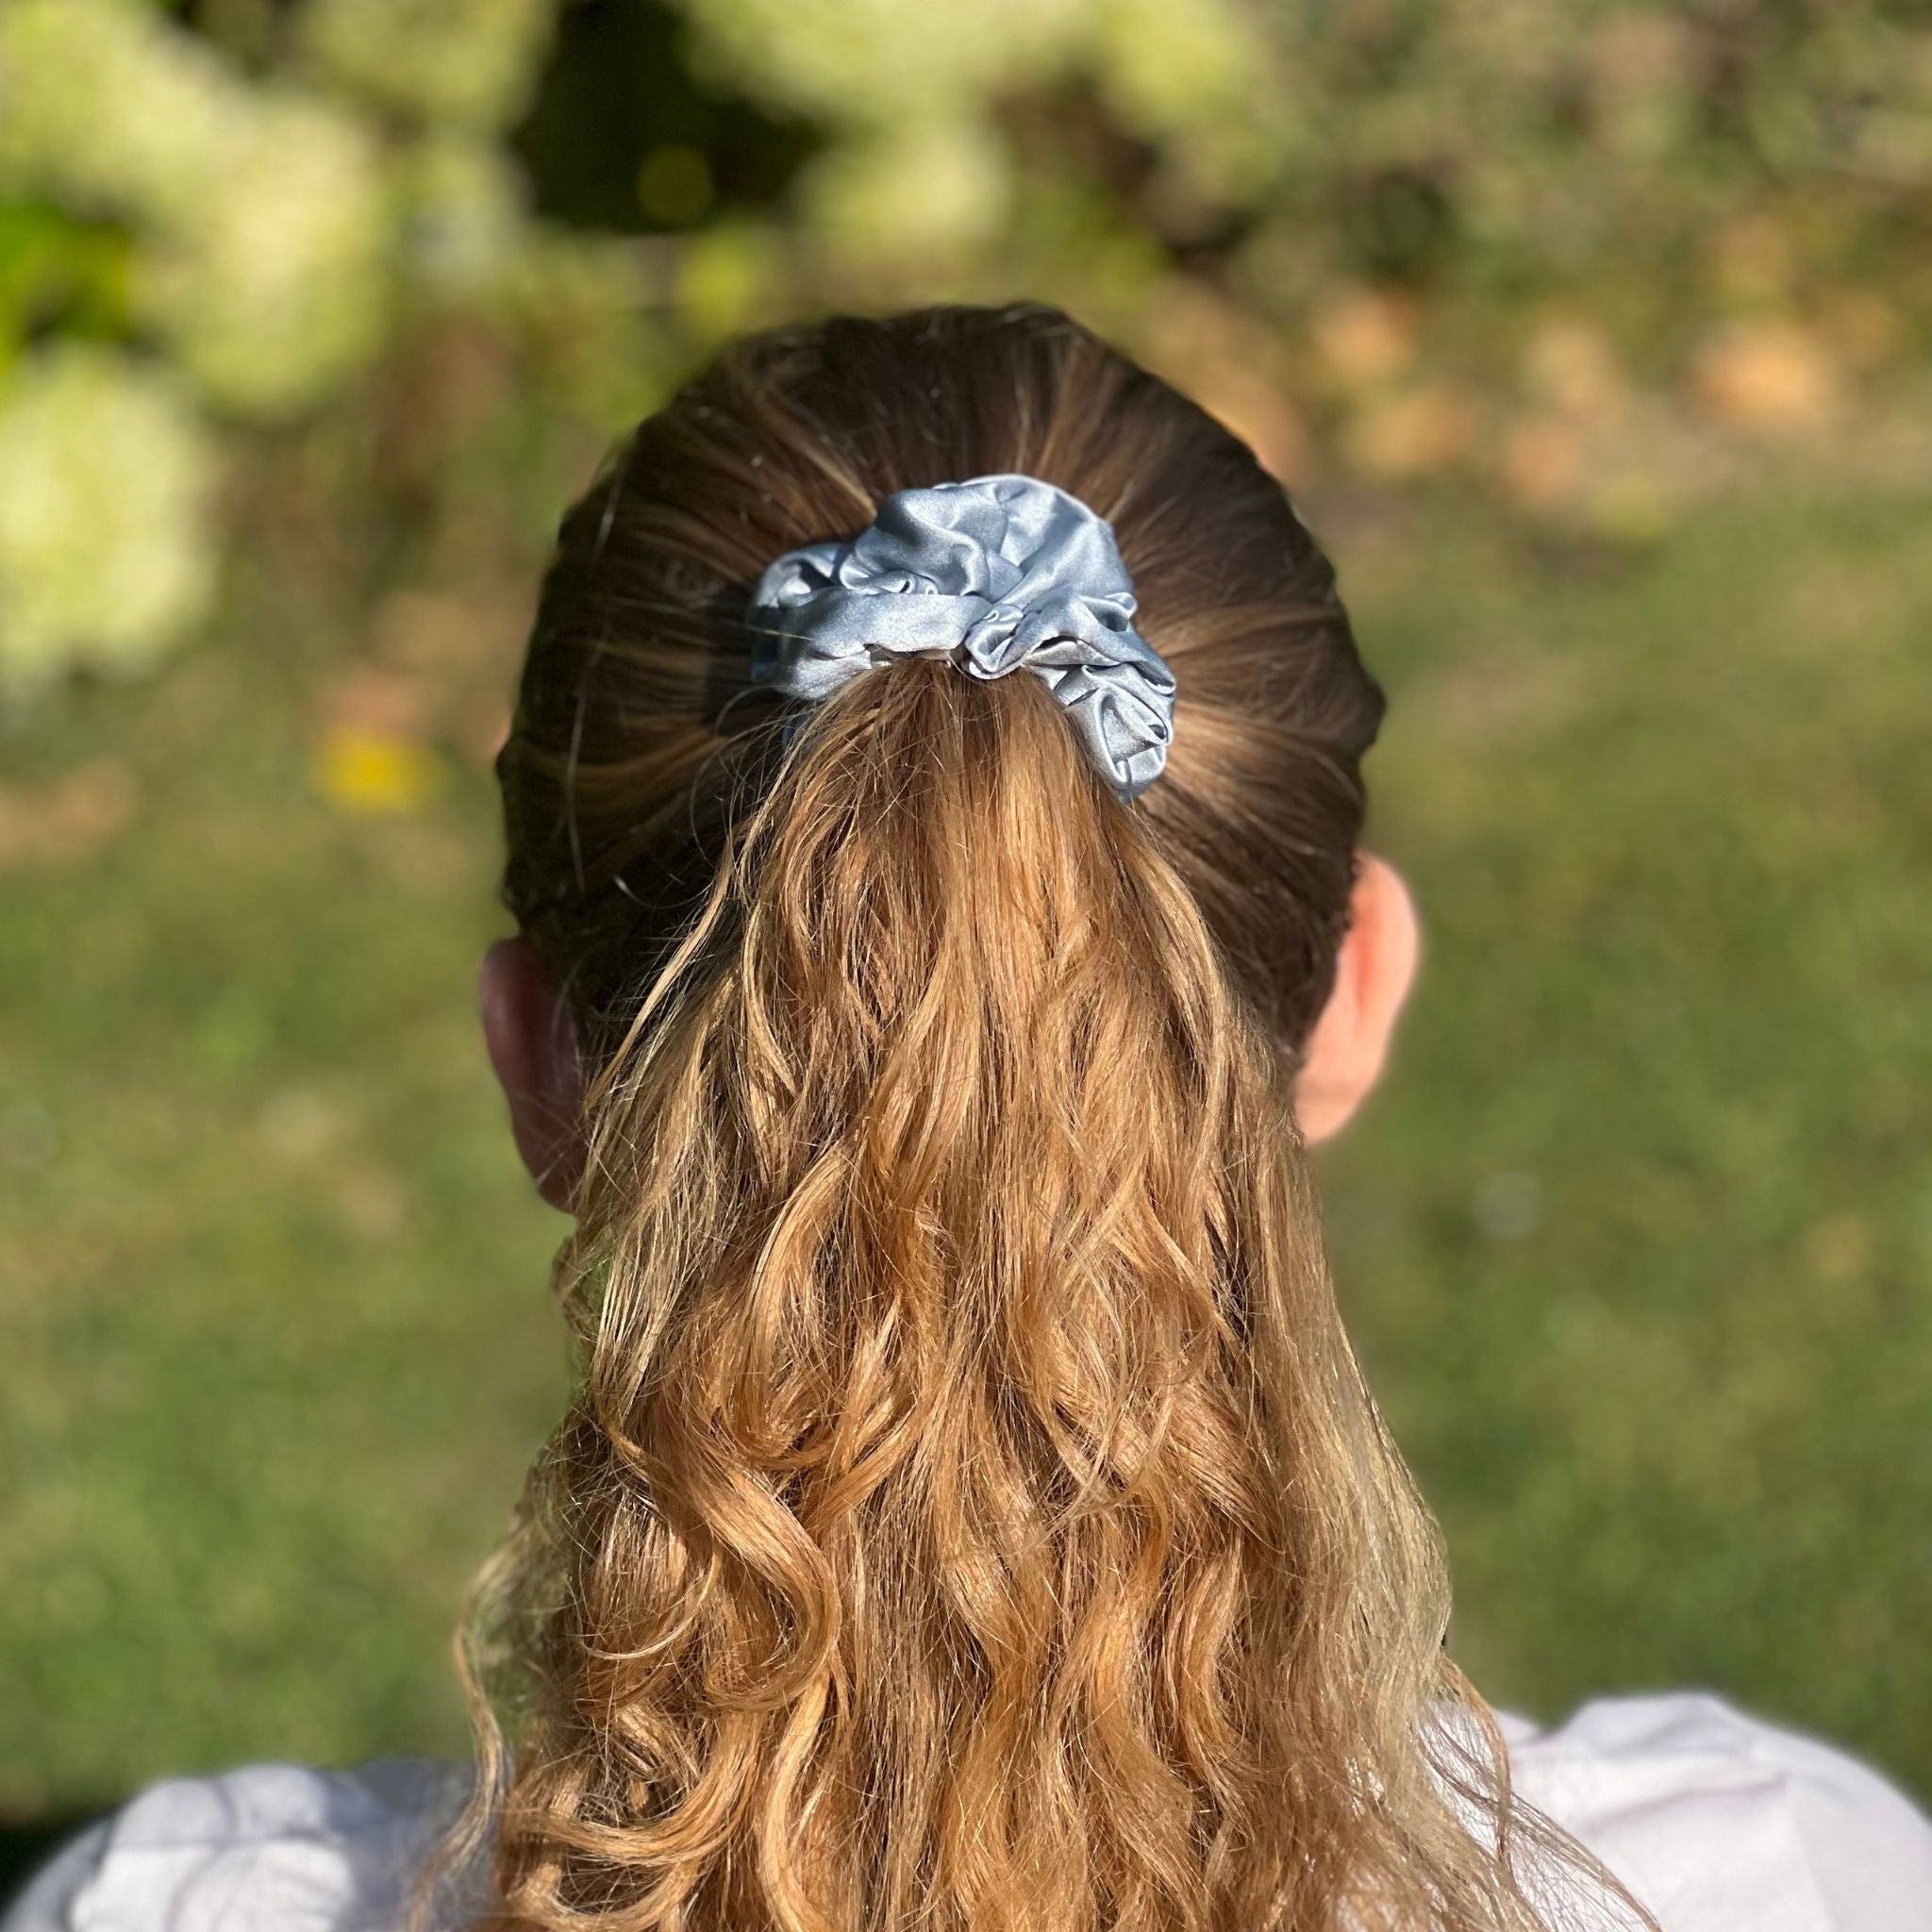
{"x":112,"y":107}
{"x":475,"y":64}
{"x":262,"y":221}
{"x":925,"y":187}
{"x":107,"y":556}
{"x":281,"y":285}
{"x":867,"y":61}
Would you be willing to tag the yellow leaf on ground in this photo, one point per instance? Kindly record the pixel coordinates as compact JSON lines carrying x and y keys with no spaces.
{"x":373,"y":775}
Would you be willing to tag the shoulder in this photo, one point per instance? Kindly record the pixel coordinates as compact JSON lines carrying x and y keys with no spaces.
{"x":268,"y":1847}
{"x":1720,"y":1822}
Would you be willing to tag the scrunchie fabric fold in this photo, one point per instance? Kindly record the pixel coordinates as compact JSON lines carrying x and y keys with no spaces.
{"x":998,"y":574}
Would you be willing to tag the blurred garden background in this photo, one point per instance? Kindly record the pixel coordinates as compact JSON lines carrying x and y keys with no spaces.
{"x":1592,"y":339}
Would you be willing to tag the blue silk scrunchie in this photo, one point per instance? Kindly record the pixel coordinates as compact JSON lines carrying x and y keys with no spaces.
{"x":995,"y":573}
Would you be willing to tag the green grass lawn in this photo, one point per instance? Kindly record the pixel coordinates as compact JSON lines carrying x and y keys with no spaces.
{"x":1637,"y":1239}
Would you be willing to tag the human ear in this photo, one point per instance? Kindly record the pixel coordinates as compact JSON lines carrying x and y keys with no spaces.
{"x":533,"y":1048}
{"x":1373,"y":974}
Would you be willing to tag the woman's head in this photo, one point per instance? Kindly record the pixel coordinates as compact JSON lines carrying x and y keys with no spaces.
{"x":972,"y":1512}
{"x":637,"y":734}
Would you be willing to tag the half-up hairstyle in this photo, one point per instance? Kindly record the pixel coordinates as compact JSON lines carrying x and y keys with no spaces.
{"x":972,"y":1517}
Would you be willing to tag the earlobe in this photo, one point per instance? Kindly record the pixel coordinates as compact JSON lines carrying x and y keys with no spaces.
{"x":532,"y":1045}
{"x":1373,"y":971}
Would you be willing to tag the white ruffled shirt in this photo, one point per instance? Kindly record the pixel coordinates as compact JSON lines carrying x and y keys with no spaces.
{"x":1716,"y":1819}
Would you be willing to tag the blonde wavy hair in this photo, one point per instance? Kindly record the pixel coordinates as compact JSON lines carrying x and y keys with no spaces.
{"x":973,"y":1516}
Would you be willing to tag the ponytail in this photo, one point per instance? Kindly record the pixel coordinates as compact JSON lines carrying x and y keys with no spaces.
{"x":972,"y":1514}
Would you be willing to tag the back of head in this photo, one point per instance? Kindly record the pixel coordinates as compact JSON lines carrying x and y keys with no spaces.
{"x":972,"y":1515}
